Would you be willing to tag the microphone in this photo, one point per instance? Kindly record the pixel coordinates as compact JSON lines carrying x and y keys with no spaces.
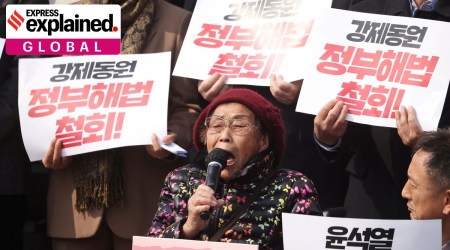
{"x":216,"y":159}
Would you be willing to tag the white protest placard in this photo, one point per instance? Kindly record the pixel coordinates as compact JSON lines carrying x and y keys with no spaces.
{"x":321,"y":233}
{"x":148,"y":243}
{"x":93,"y":102}
{"x":2,"y":44}
{"x":247,"y":41}
{"x":376,"y":64}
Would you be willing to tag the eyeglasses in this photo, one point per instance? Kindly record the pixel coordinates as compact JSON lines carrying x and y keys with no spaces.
{"x":237,"y":126}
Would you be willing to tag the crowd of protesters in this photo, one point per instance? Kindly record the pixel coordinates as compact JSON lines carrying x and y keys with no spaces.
{"x":369,"y":171}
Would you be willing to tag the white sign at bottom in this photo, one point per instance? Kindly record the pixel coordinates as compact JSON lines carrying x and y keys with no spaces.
{"x":149,"y":243}
{"x":322,"y":233}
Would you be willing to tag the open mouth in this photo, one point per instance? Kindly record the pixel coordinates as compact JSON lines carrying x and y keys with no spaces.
{"x":230,"y":160}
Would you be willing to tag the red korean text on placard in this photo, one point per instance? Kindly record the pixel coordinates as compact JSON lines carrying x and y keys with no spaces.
{"x":391,"y":66}
{"x":259,"y":66}
{"x":281,"y":35}
{"x":367,"y":100}
{"x":46,"y":101}
{"x":75,"y":131}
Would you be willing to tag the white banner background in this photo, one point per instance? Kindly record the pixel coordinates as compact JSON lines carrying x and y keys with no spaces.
{"x":332,"y":27}
{"x":310,"y":232}
{"x":139,"y":122}
{"x":196,"y":62}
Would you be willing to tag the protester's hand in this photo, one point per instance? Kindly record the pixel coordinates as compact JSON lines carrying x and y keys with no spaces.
{"x":285,"y":92}
{"x":408,"y":127}
{"x":213,"y":86}
{"x":53,"y":158}
{"x":155,"y":148}
{"x":330,"y":124}
{"x":202,"y":200}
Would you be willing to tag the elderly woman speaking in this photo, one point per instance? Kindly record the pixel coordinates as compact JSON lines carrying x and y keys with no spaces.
{"x":251,"y":193}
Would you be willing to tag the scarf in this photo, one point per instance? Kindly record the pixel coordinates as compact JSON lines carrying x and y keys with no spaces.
{"x":98,"y":177}
{"x":136,"y":17}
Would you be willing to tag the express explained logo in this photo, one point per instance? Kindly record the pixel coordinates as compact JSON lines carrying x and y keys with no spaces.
{"x":15,"y":20}
{"x":35,"y":29}
{"x":60,"y":23}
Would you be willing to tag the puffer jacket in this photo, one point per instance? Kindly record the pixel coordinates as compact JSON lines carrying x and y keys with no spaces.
{"x":289,"y":192}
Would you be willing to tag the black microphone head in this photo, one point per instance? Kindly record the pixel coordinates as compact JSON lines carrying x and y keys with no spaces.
{"x":219,"y":155}
{"x":215,"y":160}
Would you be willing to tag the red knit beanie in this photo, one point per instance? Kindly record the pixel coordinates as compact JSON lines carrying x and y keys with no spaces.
{"x":265,"y":112}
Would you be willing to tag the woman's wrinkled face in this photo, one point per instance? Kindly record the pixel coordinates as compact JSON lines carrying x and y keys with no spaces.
{"x":233,"y":128}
